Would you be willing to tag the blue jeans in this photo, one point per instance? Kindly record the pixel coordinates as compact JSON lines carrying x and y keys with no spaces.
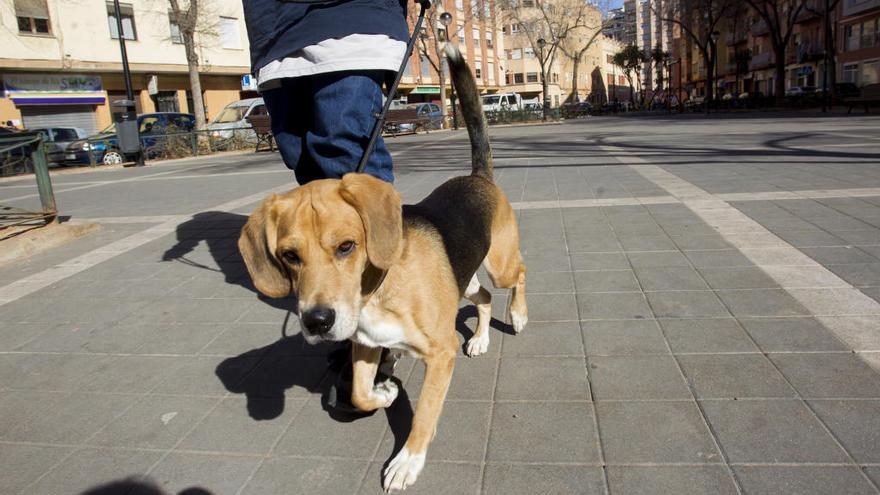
{"x":322,"y":124}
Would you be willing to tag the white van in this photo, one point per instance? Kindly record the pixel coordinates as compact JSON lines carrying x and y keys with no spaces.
{"x":507,"y":102}
{"x":235,"y":116}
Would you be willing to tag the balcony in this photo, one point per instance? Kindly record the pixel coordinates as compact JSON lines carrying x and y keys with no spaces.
{"x":759,"y":28}
{"x":807,"y":52}
{"x":760,"y":61}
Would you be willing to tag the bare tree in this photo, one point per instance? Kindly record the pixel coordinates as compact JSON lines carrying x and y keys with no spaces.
{"x":433,"y":33}
{"x":546,"y":24}
{"x":699,"y":21}
{"x":187,"y":21}
{"x":780,"y":17}
{"x":829,"y":36}
{"x":581,"y":39}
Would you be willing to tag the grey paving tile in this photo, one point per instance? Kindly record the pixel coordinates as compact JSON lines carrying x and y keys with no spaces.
{"x":639,"y":242}
{"x":839,"y":255}
{"x":654,"y":432}
{"x":623,"y":337}
{"x":605,"y":281}
{"x":658,"y":259}
{"x":280,"y":475}
{"x":315,"y":433}
{"x":856,"y":423}
{"x":636,"y":377}
{"x":837,"y":302}
{"x":231,"y":427}
{"x":22,"y":464}
{"x":16,"y":335}
{"x":802,"y":480}
{"x":729,"y":376}
{"x":551,"y":307}
{"x":706,"y":335}
{"x":214,"y":473}
{"x":461,"y":431}
{"x":550,"y":282}
{"x":738,"y":278}
{"x":545,"y":431}
{"x":542,"y":378}
{"x":196,"y":375}
{"x":234,"y":339}
{"x":611,"y":306}
{"x":472,"y":379}
{"x":860,"y":237}
{"x":180,"y":310}
{"x":670,"y":278}
{"x":810,"y":238}
{"x":65,"y":423}
{"x":660,"y":480}
{"x":591,"y":241}
{"x":873,"y":473}
{"x":502,"y":479}
{"x":130,"y":374}
{"x":700,"y":242}
{"x":443,"y":478}
{"x":545,"y":338}
{"x":718,"y":258}
{"x":829,"y":375}
{"x":791,"y":334}
{"x":761,"y":302}
{"x":599,"y":261}
{"x":686,"y":304}
{"x":90,"y":468}
{"x":858,"y":274}
{"x":274,"y":377}
{"x":770,"y":431}
{"x":154,"y":422}
{"x":546,"y":262}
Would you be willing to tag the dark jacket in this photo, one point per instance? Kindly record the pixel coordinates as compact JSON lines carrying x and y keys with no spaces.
{"x":278,"y":28}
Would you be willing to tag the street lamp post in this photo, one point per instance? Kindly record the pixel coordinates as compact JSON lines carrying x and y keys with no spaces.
{"x":546,"y":97}
{"x":714,"y":71}
{"x":446,"y":20}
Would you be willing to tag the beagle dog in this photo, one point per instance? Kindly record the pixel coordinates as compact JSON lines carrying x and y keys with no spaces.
{"x":382,"y":275}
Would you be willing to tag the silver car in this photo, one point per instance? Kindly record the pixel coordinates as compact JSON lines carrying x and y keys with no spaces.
{"x":57,"y":139}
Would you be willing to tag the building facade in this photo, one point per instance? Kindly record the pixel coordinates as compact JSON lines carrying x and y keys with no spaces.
{"x":60,"y":60}
{"x":859,"y":42}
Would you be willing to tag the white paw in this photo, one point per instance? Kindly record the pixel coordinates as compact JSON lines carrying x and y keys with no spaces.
{"x":385,"y":393}
{"x":518,"y":321}
{"x":403,"y":470}
{"x":478,"y":345}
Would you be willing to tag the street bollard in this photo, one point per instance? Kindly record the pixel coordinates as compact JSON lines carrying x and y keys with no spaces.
{"x":194,"y":142}
{"x":44,"y":183}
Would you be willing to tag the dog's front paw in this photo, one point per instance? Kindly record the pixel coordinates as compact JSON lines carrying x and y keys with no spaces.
{"x":518,"y":321}
{"x":478,"y":345}
{"x":403,"y":470}
{"x":385,"y":393}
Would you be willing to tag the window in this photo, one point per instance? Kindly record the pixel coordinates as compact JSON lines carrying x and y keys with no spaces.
{"x":532,"y":77}
{"x":870,"y":33}
{"x":871,"y":72}
{"x":489,"y":40}
{"x":508,"y":79}
{"x":554,"y":77}
{"x":528,"y":3}
{"x":65,"y":134}
{"x":491,"y":72}
{"x":487,"y":9}
{"x":514,"y":28}
{"x":478,"y":69}
{"x":476,"y":38}
{"x":459,"y":5}
{"x":851,"y":35}
{"x":461,"y":39}
{"x":425,"y":66}
{"x":530,"y":52}
{"x":176,"y":37}
{"x":127,"y":14}
{"x":229,"y":37}
{"x":609,"y":59}
{"x":32,"y":17}
{"x":518,"y":78}
{"x":516,"y":54}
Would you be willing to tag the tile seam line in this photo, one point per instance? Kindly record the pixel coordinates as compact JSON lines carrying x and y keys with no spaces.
{"x":712,"y":204}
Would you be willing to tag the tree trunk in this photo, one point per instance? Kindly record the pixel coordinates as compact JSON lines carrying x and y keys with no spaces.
{"x":779,"y":83}
{"x":442,"y":77}
{"x":192,"y":61}
{"x":574,"y":80}
{"x":709,"y":59}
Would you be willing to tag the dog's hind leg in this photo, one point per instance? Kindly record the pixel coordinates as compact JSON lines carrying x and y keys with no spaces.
{"x":477,"y":294}
{"x":505,"y":266}
{"x":365,"y":395}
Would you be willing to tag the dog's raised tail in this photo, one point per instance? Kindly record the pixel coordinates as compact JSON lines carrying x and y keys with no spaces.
{"x":472,"y":111}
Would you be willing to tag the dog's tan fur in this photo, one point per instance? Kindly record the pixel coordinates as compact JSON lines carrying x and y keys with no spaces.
{"x":397,"y":288}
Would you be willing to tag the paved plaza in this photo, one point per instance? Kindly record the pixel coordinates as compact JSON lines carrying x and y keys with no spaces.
{"x":704,"y":299}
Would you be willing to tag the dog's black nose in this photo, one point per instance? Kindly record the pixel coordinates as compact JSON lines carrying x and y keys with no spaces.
{"x":319,"y":320}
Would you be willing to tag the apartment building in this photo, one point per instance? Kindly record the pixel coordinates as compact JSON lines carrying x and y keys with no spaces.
{"x":859,"y":42}
{"x":522,"y":68}
{"x":60,"y":60}
{"x":476,"y":28}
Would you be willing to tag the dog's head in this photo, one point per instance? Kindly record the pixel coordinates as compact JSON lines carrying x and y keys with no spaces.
{"x":328,"y":243}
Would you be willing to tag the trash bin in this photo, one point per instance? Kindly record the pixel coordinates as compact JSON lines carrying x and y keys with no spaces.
{"x":127,"y":136}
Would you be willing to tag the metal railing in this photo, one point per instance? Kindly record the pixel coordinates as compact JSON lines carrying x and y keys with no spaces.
{"x":23,"y":153}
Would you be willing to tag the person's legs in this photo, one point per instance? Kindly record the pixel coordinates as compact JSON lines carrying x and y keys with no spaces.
{"x":290,"y":107}
{"x":345,"y":109}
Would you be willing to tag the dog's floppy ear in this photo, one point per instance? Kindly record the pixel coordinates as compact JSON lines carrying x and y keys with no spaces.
{"x":378,"y":205}
{"x":257,"y":243}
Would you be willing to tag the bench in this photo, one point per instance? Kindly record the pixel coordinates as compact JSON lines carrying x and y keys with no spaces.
{"x":870,"y":95}
{"x":262,"y":125}
{"x":395,"y":119}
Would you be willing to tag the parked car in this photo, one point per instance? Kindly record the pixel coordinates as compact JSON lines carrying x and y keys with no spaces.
{"x":800,"y":90}
{"x":846,"y":90}
{"x":151,"y":128}
{"x":429,"y":111}
{"x":57,"y":140}
{"x":235,"y":116}
{"x":576,"y":109}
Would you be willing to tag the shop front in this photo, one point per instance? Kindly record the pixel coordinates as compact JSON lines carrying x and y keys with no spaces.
{"x":43,"y":100}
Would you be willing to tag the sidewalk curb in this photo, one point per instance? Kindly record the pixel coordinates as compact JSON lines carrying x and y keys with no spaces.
{"x":41,"y":239}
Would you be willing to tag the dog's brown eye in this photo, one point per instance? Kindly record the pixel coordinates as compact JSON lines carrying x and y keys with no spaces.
{"x":345,"y":248}
{"x":291,"y":257}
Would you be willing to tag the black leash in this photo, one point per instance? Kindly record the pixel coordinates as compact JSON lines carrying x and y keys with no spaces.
{"x":380,"y":118}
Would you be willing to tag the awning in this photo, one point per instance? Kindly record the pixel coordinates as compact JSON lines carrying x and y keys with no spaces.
{"x":426,"y":90}
{"x":53,"y":89}
{"x":25,"y":98}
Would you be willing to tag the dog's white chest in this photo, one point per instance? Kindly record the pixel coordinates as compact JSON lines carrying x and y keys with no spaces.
{"x":378,"y":328}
